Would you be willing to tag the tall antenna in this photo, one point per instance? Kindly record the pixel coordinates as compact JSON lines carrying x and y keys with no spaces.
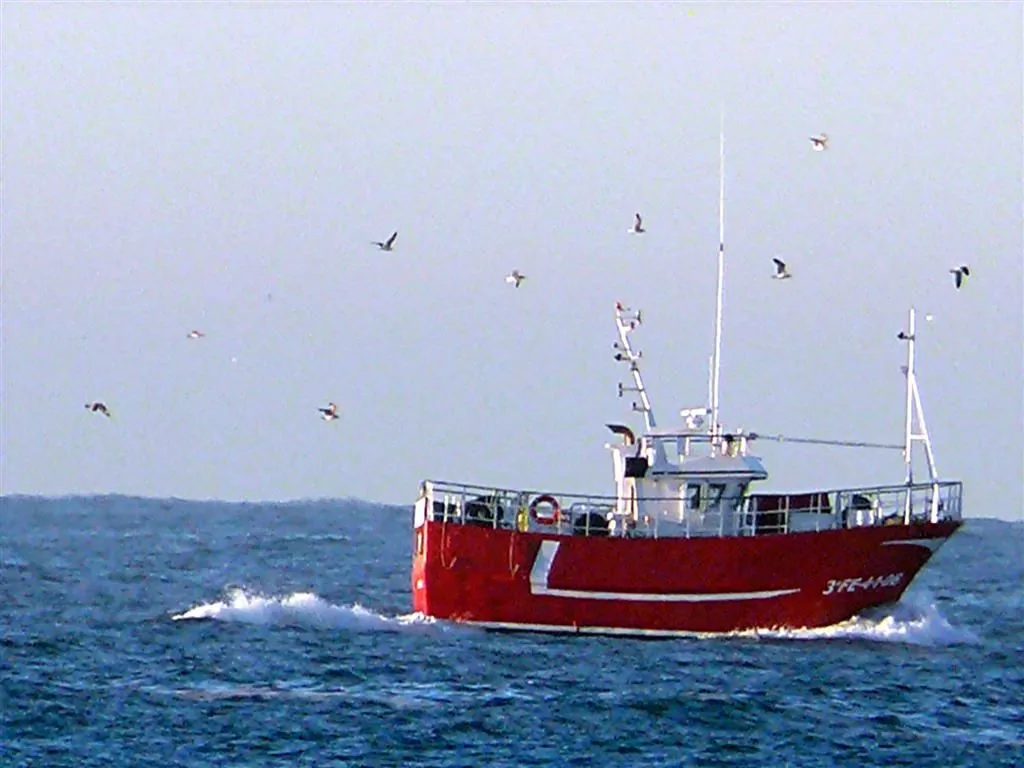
{"x":716,"y":359}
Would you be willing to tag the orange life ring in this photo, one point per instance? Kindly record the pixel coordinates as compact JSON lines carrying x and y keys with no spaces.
{"x":546,"y":519}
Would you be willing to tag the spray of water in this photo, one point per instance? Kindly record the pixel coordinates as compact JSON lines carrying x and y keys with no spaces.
{"x":915,"y":620}
{"x":298,"y":609}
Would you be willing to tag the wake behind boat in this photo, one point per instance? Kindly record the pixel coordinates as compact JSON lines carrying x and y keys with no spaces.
{"x":686,"y":544}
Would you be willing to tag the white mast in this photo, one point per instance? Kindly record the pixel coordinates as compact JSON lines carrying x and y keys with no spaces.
{"x":716,"y":361}
{"x":908,"y":416}
{"x":914,"y":416}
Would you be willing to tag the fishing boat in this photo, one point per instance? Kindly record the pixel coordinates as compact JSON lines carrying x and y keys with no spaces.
{"x":686,"y":543}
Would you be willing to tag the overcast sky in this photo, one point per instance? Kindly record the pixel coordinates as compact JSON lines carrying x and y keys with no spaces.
{"x":224,"y":167}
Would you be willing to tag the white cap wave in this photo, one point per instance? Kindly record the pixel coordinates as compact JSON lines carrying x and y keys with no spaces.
{"x":297,"y":609}
{"x":915,"y":620}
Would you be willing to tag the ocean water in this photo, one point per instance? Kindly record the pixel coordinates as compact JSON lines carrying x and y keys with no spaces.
{"x":172,"y":633}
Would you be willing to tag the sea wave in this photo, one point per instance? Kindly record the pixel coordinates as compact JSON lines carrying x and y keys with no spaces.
{"x":397,"y":695}
{"x":915,"y":620}
{"x":299,"y":609}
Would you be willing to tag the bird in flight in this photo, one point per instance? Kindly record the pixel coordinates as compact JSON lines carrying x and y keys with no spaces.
{"x":196,"y":334}
{"x":781,"y":272}
{"x":960,"y":275}
{"x":98,"y":407}
{"x":820,"y":142}
{"x":329,"y":413}
{"x":387,"y":245}
{"x":515,"y":277}
{"x":638,"y":226}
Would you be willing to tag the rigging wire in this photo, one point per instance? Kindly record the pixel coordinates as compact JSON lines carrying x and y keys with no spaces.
{"x":817,"y":441}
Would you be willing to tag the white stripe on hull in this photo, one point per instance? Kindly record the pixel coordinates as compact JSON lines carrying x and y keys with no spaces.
{"x":665,"y":597}
{"x":546,"y":558}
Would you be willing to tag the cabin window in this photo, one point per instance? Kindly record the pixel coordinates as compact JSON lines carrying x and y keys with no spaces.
{"x":737,"y":500}
{"x":693,"y":496}
{"x":715,"y":493}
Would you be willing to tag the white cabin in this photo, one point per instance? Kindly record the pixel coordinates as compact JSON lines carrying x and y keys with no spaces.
{"x":661,"y":482}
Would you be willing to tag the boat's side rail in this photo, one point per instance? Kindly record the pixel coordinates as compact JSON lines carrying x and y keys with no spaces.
{"x":522,"y":510}
{"x":853,"y":507}
{"x":758,"y":513}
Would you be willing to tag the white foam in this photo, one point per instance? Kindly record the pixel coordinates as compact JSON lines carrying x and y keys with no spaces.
{"x":915,"y":620}
{"x":299,"y":609}
{"x":318,"y":537}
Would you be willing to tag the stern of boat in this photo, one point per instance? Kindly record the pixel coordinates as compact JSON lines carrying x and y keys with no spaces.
{"x":419,"y":541}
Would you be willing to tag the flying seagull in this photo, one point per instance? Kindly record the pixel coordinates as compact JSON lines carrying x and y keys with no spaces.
{"x":98,"y":407}
{"x":196,"y":334}
{"x":515,"y":277}
{"x":820,"y":142}
{"x":387,"y":245}
{"x":638,"y":226}
{"x":960,"y":274}
{"x":329,"y":413}
{"x":781,"y":273}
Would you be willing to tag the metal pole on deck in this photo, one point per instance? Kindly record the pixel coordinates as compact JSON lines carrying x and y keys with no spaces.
{"x":908,"y":417}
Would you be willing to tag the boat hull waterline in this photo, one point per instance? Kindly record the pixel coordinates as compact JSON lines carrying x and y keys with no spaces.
{"x":507,"y":579}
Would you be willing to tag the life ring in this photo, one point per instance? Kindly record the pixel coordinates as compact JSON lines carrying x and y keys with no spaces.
{"x":546,"y":519}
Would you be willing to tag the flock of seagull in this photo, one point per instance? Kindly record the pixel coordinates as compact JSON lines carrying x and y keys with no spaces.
{"x":514,"y":278}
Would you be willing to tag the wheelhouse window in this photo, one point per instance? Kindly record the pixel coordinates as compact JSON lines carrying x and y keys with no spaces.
{"x":693,"y":496}
{"x":715,"y":493}
{"x":736,"y":501}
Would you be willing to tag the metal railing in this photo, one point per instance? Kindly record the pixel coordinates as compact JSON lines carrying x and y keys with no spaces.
{"x":653,"y":517}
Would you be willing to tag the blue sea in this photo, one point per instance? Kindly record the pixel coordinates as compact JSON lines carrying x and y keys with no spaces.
{"x":142,"y":632}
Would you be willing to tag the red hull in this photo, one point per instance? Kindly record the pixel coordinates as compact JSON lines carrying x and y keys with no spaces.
{"x":510,"y":580}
